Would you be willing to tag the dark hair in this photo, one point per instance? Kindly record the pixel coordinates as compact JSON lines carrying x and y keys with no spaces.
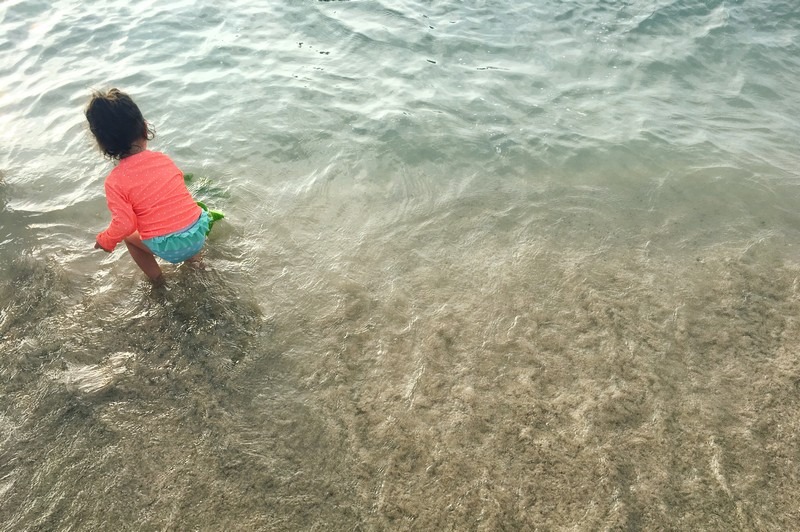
{"x":116,"y":122}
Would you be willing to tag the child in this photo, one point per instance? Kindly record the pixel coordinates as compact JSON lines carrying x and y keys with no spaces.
{"x":151,"y":208}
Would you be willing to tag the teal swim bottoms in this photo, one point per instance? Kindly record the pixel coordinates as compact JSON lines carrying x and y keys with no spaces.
{"x":181,"y":245}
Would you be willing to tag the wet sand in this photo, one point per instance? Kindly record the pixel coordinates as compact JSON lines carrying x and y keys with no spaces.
{"x":445,"y":381}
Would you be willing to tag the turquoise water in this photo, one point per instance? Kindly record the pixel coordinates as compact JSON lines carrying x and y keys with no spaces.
{"x":486,"y":266}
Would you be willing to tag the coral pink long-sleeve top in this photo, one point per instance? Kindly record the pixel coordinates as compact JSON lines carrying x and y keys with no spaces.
{"x":146,"y":193}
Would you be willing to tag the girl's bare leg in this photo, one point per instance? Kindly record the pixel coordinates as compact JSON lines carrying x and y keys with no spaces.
{"x":196,"y":261}
{"x":143,"y":257}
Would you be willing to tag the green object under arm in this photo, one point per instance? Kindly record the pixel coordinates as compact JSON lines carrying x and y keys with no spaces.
{"x":212,"y":215}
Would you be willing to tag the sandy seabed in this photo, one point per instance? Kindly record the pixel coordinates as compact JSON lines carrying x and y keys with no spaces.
{"x":419,"y":387}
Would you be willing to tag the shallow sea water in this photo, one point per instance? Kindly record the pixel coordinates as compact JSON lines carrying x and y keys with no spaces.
{"x":486,"y":266}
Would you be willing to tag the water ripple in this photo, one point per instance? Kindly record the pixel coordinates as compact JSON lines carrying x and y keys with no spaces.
{"x":567,"y":230}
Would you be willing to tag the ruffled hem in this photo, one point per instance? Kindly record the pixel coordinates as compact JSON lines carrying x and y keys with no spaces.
{"x":181,"y":245}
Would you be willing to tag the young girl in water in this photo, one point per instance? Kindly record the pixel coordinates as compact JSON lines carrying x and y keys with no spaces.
{"x":152,"y":211}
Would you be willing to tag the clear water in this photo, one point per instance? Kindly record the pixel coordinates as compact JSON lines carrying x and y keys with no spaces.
{"x":487,"y":266}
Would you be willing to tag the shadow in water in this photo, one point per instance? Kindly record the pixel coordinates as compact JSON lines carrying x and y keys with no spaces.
{"x":93,"y":378}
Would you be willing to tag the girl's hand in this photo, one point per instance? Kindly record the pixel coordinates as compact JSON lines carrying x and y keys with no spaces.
{"x":98,"y":246}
